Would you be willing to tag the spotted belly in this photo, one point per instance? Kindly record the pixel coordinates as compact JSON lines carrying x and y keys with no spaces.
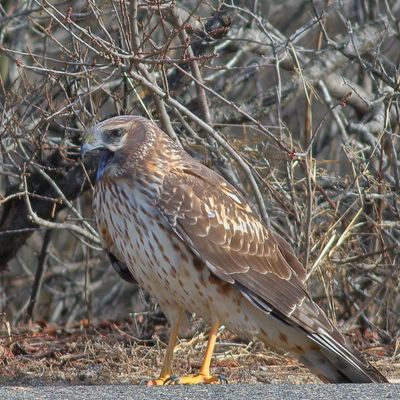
{"x":163,"y":264}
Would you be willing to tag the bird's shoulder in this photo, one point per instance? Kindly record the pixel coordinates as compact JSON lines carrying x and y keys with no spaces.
{"x":211,"y":213}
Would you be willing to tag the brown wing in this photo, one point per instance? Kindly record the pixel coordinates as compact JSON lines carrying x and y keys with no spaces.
{"x":221,"y":228}
{"x":121,"y":269}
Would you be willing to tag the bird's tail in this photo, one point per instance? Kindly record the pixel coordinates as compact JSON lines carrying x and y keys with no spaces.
{"x":333,"y":362}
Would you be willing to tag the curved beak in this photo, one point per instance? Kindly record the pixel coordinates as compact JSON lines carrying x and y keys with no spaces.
{"x":91,"y":141}
{"x":89,"y":147}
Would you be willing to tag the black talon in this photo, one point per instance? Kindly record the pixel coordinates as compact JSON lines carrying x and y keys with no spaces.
{"x":223,"y":379}
{"x":172,"y":380}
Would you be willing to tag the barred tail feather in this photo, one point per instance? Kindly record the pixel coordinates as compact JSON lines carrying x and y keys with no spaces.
{"x":333,"y":362}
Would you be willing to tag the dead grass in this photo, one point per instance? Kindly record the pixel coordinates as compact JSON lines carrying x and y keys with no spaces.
{"x":108,"y":353}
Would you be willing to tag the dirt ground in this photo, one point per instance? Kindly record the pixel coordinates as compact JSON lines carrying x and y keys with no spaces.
{"x":108,"y":353}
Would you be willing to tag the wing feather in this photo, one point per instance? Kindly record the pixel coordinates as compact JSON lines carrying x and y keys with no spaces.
{"x":121,"y":269}
{"x":223,"y":230}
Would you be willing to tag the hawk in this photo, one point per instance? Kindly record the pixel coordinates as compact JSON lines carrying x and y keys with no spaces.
{"x":190,"y":239}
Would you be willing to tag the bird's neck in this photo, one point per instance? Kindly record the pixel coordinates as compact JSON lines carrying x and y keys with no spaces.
{"x":146,"y":168}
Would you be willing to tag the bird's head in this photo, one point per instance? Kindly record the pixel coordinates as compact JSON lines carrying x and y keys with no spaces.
{"x":109,"y":135}
{"x":113,"y":137}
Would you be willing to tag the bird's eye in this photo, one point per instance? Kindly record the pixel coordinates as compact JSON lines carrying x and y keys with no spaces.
{"x":115,"y":133}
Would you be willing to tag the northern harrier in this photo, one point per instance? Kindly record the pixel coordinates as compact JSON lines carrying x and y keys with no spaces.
{"x":194,"y":243}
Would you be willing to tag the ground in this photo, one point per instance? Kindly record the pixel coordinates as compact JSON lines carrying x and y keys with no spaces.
{"x":107,"y":352}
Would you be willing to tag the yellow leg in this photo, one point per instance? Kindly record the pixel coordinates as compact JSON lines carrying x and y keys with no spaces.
{"x":166,"y":369}
{"x":212,"y":338}
{"x":204,"y":375}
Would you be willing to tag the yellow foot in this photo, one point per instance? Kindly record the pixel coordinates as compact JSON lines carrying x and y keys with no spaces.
{"x":195,"y":379}
{"x":160,"y":381}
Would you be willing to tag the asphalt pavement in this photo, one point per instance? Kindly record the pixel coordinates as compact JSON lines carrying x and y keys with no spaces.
{"x":203,"y":392}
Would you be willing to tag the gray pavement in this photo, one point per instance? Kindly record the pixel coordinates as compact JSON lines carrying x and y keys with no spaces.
{"x":215,"y":392}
